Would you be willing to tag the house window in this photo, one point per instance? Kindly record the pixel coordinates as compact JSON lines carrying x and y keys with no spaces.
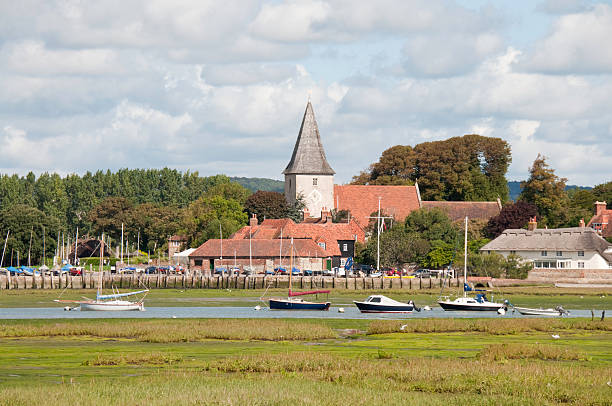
{"x":344,"y":247}
{"x":610,"y":265}
{"x":581,"y":253}
{"x":322,"y":245}
{"x":580,"y":264}
{"x":314,"y":181}
{"x":512,"y":252}
{"x":559,"y":253}
{"x":544,"y":253}
{"x":197,"y":262}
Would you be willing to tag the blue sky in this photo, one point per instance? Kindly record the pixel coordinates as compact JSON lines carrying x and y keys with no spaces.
{"x":220,"y":87}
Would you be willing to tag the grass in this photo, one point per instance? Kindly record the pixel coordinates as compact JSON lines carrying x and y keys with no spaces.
{"x":171,"y":331}
{"x":124,"y":362}
{"x":502,"y":352}
{"x":489,"y":326}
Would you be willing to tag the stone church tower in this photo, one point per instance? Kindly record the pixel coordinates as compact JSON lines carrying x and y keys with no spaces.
{"x":308,"y":173}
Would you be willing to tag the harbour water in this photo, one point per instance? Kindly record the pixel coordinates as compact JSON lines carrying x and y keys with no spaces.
{"x":230,"y":312}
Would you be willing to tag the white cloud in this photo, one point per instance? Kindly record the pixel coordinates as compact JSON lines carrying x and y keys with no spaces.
{"x":579,"y":43}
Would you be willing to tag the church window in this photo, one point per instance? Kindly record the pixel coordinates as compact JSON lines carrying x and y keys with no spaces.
{"x":314,"y":181}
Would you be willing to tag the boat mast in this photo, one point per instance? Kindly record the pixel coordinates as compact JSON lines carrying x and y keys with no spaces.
{"x":101,"y":265}
{"x":4,"y":249}
{"x":291,"y":265}
{"x":250,"y":250}
{"x":465,"y":257}
{"x":378,"y":239}
{"x":75,"y":246}
{"x":121,"y":243}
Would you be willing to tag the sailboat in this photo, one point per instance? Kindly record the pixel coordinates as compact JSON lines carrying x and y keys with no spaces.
{"x":294,"y":303}
{"x":468,"y":303}
{"x":109,"y":302}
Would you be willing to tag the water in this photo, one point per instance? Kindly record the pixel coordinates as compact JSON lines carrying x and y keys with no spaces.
{"x":228,"y":312}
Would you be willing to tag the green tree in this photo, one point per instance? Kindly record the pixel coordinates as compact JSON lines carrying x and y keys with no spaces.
{"x":547,"y":192}
{"x":471,"y":167}
{"x":24,"y":221}
{"x":108,"y":216}
{"x":267,"y":205}
{"x":603,"y":193}
{"x":431,"y":225}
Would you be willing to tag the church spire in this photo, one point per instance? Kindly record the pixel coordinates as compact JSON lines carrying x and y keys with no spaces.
{"x":308,"y":154}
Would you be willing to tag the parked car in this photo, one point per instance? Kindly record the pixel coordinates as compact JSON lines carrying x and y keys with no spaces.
{"x":151,"y":270}
{"x":77,"y":270}
{"x":422,"y":273}
{"x":328,"y":272}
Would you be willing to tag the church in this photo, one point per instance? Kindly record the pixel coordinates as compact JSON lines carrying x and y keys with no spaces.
{"x":310,"y":176}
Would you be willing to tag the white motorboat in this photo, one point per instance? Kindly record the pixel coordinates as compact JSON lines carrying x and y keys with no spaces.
{"x":558,"y":311}
{"x":383,"y":304}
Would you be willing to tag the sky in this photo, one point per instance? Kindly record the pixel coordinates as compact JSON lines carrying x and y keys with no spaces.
{"x":221,"y":87}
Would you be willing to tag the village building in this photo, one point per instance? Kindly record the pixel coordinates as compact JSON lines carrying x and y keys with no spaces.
{"x":176,"y":244}
{"x":263,"y":255}
{"x":310,"y":176}
{"x":600,"y":222}
{"x":577,"y":252}
{"x":337,"y":240}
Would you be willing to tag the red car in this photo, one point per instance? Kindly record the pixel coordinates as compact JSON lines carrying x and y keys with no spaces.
{"x":76,"y":271}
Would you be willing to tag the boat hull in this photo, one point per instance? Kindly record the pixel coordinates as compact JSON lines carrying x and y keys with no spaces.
{"x":481,"y":307}
{"x":538,"y":312}
{"x":380,"y":308}
{"x":110,"y":306}
{"x":289,"y":304}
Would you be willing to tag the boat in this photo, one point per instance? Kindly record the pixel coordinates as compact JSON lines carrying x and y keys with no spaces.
{"x":383,"y":304}
{"x":558,"y":311}
{"x":467,"y":303}
{"x":292,"y":302}
{"x":109,"y":302}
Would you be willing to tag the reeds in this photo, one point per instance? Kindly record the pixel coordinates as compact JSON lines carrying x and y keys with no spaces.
{"x":507,"y":351}
{"x":489,"y":326}
{"x":170,"y":331}
{"x":155,"y":358}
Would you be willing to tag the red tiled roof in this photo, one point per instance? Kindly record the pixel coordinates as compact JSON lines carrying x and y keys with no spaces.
{"x":601,"y":223}
{"x":459,"y":210}
{"x":178,"y":238}
{"x":328,"y":233}
{"x":362,"y":201}
{"x":305,"y":248}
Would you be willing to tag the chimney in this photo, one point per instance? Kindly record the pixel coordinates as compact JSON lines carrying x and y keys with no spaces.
{"x":599,"y":208}
{"x":326,"y":216}
{"x":533,"y":224}
{"x":253,"y":220}
{"x":581,"y":223}
{"x":306,"y":213}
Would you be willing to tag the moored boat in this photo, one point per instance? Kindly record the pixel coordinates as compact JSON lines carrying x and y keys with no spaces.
{"x":383,"y":304}
{"x":558,"y":311}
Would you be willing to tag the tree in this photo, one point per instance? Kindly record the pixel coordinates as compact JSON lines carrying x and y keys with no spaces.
{"x":201,"y":220}
{"x":603,"y":193}
{"x":296,"y":211}
{"x":25,"y":221}
{"x":547,"y":192}
{"x":514,"y":215}
{"x":108,"y":216}
{"x":471,"y":167}
{"x":431,"y":225}
{"x":581,"y":203}
{"x":264,"y":204}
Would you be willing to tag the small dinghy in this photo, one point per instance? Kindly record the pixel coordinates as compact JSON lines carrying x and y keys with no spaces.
{"x":558,"y":311}
{"x":383,"y":304}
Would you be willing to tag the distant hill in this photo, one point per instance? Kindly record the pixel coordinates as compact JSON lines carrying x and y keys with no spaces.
{"x":255,"y":184}
{"x":515,"y":188}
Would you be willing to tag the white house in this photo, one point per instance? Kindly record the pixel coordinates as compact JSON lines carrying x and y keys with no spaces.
{"x":577,"y":248}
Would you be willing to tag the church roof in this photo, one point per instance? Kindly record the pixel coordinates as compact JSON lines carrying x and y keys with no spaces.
{"x":308,"y":154}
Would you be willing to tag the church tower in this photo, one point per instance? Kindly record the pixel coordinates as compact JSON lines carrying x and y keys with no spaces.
{"x":308,"y":173}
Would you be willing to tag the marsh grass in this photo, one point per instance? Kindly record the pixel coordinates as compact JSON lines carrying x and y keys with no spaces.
{"x":538,"y":382}
{"x":155,"y":358}
{"x":507,"y":351}
{"x":171,"y":331}
{"x":489,"y":326}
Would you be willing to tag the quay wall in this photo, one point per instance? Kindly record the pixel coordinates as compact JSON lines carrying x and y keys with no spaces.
{"x":195,"y":281}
